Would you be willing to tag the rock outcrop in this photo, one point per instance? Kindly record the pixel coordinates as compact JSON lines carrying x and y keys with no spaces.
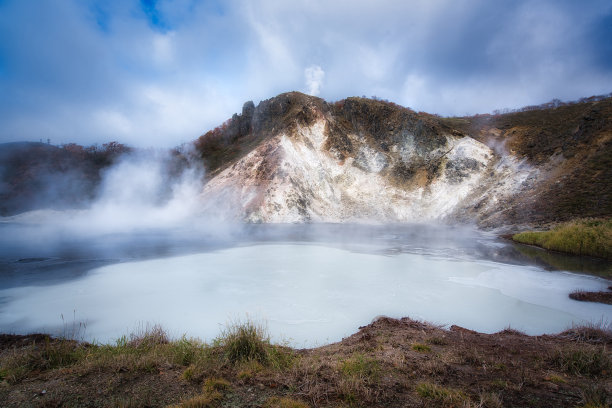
{"x":301,"y":159}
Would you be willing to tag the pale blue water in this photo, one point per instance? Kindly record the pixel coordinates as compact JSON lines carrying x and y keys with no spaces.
{"x":311,"y":285}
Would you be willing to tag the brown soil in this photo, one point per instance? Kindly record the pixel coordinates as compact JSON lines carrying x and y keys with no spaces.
{"x":389,"y":363}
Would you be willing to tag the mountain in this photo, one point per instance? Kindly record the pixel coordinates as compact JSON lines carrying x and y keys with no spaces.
{"x":298,"y":158}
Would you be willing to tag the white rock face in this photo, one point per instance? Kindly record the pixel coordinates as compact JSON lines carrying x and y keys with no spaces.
{"x":293,"y":178}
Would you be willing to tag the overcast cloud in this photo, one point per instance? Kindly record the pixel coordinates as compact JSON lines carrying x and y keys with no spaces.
{"x":159,"y":73}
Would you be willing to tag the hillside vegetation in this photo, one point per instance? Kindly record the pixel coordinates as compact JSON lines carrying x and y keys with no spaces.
{"x":570,"y":144}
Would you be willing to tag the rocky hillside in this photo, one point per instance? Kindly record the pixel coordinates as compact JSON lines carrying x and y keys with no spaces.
{"x":297,"y":158}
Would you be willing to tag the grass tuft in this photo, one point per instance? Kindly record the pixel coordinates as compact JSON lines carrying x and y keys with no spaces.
{"x":581,"y":361}
{"x":594,"y":333}
{"x":245,"y":341}
{"x":148,"y":337}
{"x":216,"y":384}
{"x":421,"y":348}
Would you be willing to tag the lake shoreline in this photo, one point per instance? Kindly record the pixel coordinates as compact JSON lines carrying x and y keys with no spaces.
{"x":390,"y":362}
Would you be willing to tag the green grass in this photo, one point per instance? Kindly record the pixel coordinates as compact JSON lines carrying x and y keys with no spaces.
{"x":421,"y":348}
{"x":580,"y":237}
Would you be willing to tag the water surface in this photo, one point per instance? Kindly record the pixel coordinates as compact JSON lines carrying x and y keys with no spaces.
{"x":311,"y":284}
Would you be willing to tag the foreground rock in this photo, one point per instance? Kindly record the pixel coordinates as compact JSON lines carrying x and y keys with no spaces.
{"x":392,"y":363}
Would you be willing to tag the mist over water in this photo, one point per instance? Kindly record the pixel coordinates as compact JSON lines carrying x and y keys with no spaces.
{"x":144,"y":252}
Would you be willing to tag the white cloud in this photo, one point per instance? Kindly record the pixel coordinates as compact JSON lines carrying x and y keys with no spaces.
{"x":67,"y":79}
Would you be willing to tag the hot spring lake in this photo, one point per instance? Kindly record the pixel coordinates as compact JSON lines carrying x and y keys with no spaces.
{"x":310,"y":284}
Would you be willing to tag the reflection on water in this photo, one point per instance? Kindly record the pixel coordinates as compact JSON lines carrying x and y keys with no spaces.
{"x":562,"y":262}
{"x":312,"y":283}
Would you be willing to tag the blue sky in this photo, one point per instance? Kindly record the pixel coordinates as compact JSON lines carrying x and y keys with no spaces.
{"x":162,"y":72}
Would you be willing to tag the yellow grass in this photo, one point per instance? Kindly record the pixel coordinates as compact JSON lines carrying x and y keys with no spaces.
{"x":580,"y":237}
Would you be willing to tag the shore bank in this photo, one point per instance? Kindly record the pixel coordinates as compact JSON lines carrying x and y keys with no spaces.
{"x":391,"y":362}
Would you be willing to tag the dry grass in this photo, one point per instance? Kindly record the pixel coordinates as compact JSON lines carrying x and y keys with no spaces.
{"x":284,"y":402}
{"x":444,"y":396}
{"x":580,"y":237}
{"x":244,"y":341}
{"x":591,"y":361}
{"x":379,"y":366}
{"x":595,"y":333}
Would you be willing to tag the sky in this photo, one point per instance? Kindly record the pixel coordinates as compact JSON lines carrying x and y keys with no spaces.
{"x":158,"y":73}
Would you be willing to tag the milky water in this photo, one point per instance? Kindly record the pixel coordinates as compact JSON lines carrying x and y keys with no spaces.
{"x":308,"y":290}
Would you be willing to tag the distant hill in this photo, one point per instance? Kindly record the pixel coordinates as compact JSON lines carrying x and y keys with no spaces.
{"x":38,"y":175}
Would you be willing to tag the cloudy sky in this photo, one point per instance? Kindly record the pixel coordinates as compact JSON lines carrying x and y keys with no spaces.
{"x":162,"y":72}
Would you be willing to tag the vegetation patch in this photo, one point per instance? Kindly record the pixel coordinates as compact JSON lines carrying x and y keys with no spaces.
{"x":592,"y":361}
{"x":585,"y":296}
{"x":591,"y":237}
{"x":375,"y":367}
{"x":421,"y":348}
